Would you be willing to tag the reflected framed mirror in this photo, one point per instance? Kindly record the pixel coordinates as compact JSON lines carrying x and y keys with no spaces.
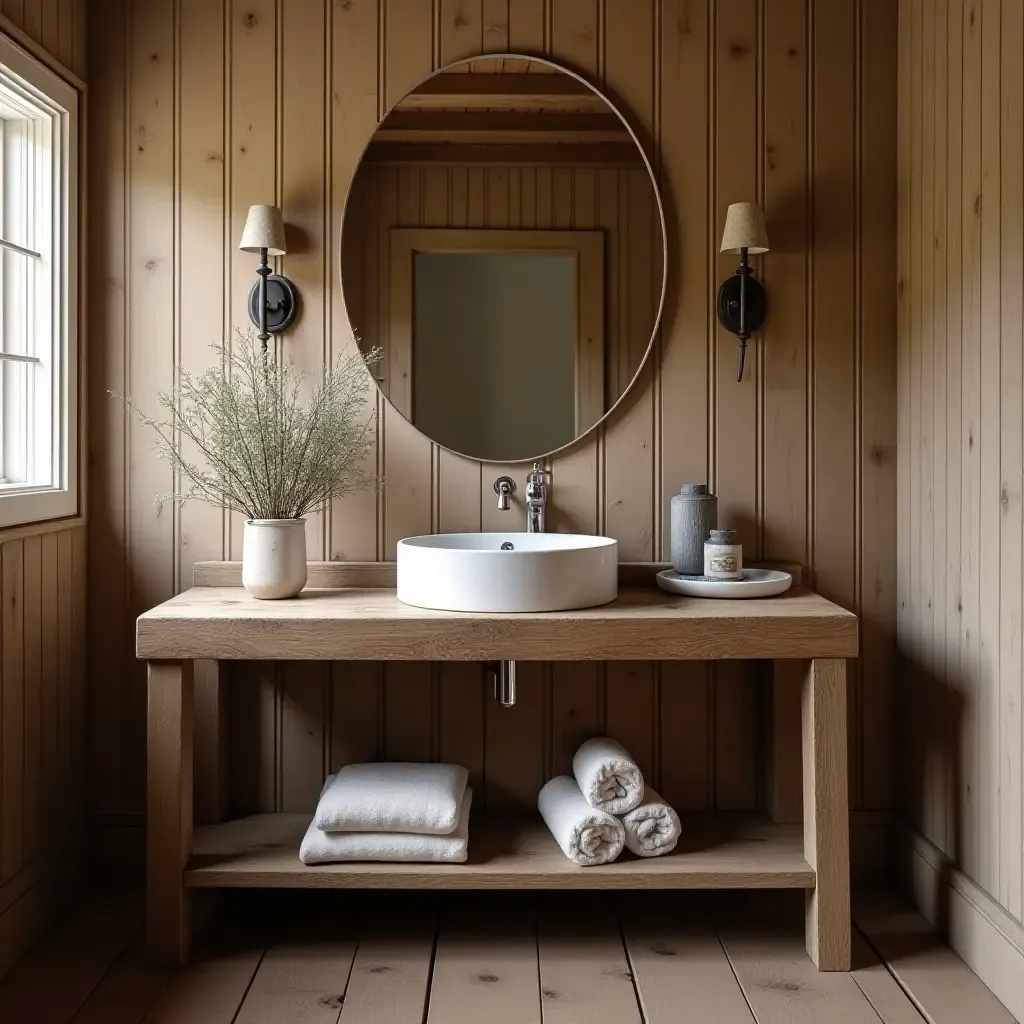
{"x":503,"y":246}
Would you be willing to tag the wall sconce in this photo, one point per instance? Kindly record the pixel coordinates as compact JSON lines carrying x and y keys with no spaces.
{"x":741,"y":299}
{"x":272,"y":301}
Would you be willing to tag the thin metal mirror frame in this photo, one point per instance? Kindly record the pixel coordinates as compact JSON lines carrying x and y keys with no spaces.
{"x":664,"y":250}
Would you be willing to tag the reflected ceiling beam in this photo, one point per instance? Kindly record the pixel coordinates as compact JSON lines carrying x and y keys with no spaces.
{"x":504,"y":92}
{"x":461,"y":127}
{"x":607,"y":154}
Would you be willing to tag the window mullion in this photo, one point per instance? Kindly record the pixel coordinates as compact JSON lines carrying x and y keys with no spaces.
{"x":44,"y":408}
{"x":49,"y":454}
{"x":29,"y":342}
{"x":8,"y":246}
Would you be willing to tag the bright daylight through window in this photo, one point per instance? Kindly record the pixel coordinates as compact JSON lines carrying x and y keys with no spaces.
{"x":38,"y":291}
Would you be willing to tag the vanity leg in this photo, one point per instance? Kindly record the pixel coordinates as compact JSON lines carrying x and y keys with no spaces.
{"x":168,"y":811}
{"x":826,"y":814}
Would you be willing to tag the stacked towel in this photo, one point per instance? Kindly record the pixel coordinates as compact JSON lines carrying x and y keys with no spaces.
{"x":652,"y":828}
{"x":411,"y":813}
{"x":608,"y":777}
{"x":587,"y":835}
{"x":606,"y":807}
{"x":393,"y":797}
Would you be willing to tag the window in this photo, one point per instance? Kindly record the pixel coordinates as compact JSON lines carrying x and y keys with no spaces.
{"x":38,"y":291}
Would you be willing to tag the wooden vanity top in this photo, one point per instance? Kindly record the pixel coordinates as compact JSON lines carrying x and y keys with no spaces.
{"x":370,"y":624}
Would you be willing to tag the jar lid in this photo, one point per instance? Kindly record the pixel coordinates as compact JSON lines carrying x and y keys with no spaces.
{"x":723,"y":536}
{"x":694,"y":489}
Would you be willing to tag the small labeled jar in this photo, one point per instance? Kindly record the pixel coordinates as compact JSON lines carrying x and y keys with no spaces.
{"x":723,"y":556}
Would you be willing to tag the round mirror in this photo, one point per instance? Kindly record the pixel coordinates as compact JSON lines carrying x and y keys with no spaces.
{"x":503,"y":247}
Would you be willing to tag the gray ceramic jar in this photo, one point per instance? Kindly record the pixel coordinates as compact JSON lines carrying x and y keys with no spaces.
{"x":694,"y":516}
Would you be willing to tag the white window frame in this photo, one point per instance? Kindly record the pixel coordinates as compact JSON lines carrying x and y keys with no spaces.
{"x":51,"y":106}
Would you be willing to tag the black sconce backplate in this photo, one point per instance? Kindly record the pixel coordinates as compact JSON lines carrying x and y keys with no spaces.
{"x":282,"y":304}
{"x":729,"y":304}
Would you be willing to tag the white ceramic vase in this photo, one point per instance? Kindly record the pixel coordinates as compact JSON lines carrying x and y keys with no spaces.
{"x":274,"y":557}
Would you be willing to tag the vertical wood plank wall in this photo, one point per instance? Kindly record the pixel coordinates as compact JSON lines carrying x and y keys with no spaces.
{"x":43,"y":664}
{"x":210,"y":105}
{"x":42,"y":729}
{"x":58,"y":26}
{"x":961,"y":433}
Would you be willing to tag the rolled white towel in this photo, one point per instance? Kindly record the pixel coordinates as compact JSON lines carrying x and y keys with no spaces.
{"x":587,"y":836}
{"x":608,"y":777}
{"x":652,"y":828}
{"x":389,"y":847}
{"x":393,"y":797}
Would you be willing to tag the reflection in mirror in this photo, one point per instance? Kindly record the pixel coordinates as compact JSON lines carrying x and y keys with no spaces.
{"x":469,"y":395}
{"x":503,"y":246}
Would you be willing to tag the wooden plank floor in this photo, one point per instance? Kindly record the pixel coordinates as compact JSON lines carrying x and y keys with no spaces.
{"x":500,"y":958}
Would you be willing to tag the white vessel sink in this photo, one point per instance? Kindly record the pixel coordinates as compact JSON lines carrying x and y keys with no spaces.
{"x":536,"y":572}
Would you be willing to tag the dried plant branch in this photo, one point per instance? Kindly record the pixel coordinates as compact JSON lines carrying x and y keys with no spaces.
{"x":268,"y":452}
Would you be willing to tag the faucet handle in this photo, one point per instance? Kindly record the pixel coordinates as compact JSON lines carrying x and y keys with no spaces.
{"x":504,"y":488}
{"x":536,"y":486}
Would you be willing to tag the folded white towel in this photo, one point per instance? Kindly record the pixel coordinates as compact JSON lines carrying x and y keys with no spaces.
{"x":393,"y":797}
{"x":608,"y":777}
{"x":587,"y":836}
{"x":652,"y":828}
{"x":398,"y":847}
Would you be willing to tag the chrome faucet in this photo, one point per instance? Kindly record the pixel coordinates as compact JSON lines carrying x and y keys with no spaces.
{"x":536,"y":499}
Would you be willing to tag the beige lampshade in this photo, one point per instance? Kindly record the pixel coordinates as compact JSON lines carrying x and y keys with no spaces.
{"x":264,"y":229}
{"x":744,"y":229}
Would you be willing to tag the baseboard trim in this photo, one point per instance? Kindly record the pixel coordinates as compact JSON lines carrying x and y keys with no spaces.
{"x":982,"y":933}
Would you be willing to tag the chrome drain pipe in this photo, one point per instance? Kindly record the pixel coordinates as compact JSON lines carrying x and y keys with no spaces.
{"x":504,"y":673}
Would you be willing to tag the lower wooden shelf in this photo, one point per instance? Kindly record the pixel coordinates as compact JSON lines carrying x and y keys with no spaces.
{"x":508,"y":852}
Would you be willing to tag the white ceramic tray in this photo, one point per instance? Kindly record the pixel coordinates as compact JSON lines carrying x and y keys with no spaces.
{"x":755,"y":583}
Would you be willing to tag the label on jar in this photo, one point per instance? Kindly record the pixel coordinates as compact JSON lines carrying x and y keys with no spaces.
{"x":723,"y":561}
